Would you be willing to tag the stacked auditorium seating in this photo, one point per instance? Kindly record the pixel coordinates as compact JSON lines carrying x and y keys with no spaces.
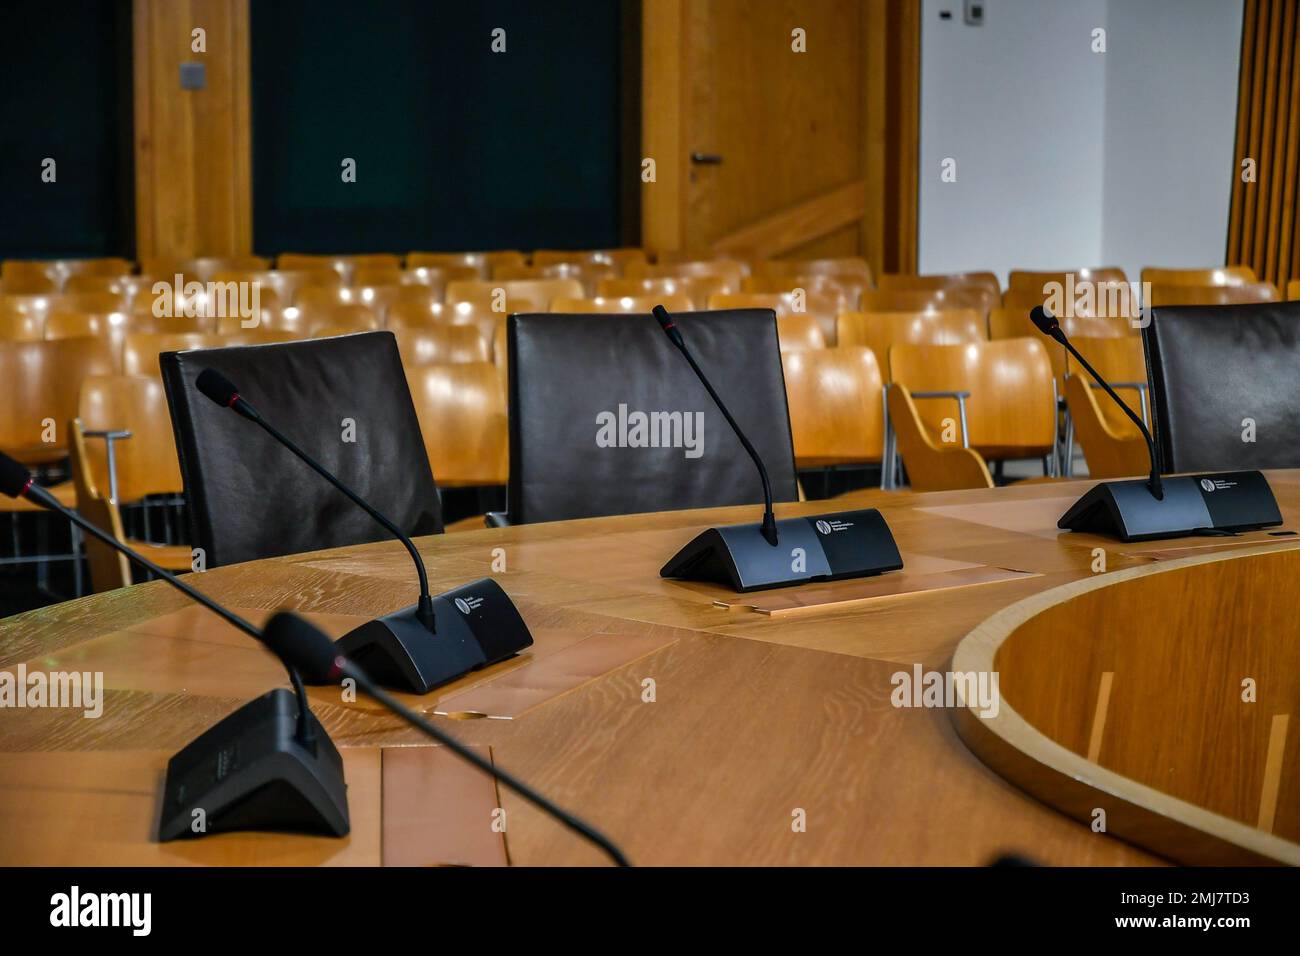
{"x":929,"y":378}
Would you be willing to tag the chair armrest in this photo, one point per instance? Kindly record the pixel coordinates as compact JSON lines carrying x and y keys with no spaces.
{"x":961,"y":397}
{"x":110,"y":437}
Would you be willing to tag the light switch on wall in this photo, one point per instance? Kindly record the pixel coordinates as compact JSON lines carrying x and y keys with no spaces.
{"x":194,"y":76}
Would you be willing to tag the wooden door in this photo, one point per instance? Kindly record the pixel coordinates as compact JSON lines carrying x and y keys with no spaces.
{"x":769,"y":124}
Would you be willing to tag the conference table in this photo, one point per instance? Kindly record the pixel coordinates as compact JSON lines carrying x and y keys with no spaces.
{"x":694,"y":725}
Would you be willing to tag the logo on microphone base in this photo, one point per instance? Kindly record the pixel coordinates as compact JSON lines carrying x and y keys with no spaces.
{"x":1216,"y":484}
{"x":468,"y":605}
{"x":830,"y":527}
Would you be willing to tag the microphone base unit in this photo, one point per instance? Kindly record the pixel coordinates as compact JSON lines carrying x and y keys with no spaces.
{"x":476,"y":625}
{"x":830,"y":547}
{"x":1193,"y":504}
{"x":249,"y":772}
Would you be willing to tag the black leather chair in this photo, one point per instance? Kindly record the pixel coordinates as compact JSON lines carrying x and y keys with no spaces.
{"x":576,"y":382}
{"x":251,"y":498}
{"x":1213,"y":367}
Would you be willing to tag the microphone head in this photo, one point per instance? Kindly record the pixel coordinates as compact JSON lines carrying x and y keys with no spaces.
{"x":217,"y":387}
{"x":1045,"y":322}
{"x":14,"y":478}
{"x":301,"y":646}
{"x":661,"y":314}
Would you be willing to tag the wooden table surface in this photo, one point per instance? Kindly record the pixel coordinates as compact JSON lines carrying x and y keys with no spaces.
{"x":758,"y":723}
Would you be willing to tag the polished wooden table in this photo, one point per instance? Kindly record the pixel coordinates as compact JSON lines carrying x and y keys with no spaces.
{"x":690,"y":727}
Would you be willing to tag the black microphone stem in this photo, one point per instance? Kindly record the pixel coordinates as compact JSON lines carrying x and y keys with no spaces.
{"x":424,"y":609}
{"x":306,"y":737}
{"x":769,"y":519}
{"x":1154,"y":484}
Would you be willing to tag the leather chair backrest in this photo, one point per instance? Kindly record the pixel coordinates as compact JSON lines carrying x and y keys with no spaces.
{"x":249,"y":497}
{"x":578,"y":383}
{"x":1214,"y":367}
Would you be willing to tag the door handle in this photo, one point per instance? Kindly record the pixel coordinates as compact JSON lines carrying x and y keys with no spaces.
{"x":706,"y":159}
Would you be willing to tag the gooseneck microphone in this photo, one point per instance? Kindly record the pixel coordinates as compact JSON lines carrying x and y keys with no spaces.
{"x":266,"y":742}
{"x":675,"y":336}
{"x":223,"y":392}
{"x":1136,"y":510}
{"x":17,"y":482}
{"x":308,"y":648}
{"x":478,"y":624}
{"x":746,"y":557}
{"x":1051,"y":327}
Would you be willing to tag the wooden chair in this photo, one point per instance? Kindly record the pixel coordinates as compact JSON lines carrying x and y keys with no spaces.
{"x":141,"y":460}
{"x":284,"y":284}
{"x":1237,"y":294}
{"x":442,"y":344}
{"x":109,"y":327}
{"x":950,"y":280}
{"x":879,"y":331}
{"x":615,"y":305}
{"x":1029,"y":280}
{"x":854,"y":267}
{"x":589,"y":274}
{"x":270,"y":317}
{"x":695,"y":288}
{"x":126,"y":288}
{"x":618,"y":258}
{"x":462,"y":413}
{"x":934,"y":300}
{"x":1122,"y":362}
{"x":931,"y":465}
{"x":837,"y":414}
{"x":21,"y":326}
{"x":481,"y":262}
{"x":201,"y":268}
{"x":821,"y":310}
{"x":88,"y":302}
{"x":41,"y":381}
{"x":436,"y":277}
{"x":1214,"y":275}
{"x":729,"y":271}
{"x":847,"y":289}
{"x":1013,"y":323}
{"x":48,"y":275}
{"x":1110,"y":452}
{"x":315,"y":298}
{"x":140,"y":350}
{"x":799,"y":331}
{"x":515,"y":295}
{"x":417,"y":314}
{"x":343,"y":265}
{"x":109,"y":569}
{"x":28,"y":277}
{"x":328,"y":321}
{"x":999,"y":394}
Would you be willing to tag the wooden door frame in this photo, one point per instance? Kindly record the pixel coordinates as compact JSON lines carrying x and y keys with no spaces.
{"x":883,"y":201}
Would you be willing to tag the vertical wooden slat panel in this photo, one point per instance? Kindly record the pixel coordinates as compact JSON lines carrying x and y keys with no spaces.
{"x":1263,"y":220}
{"x":1287,"y":246}
{"x":891,"y":133}
{"x":1244,"y":80}
{"x":1264,"y":144}
{"x":193,"y":147}
{"x":1278,"y":151}
{"x":663,"y":106}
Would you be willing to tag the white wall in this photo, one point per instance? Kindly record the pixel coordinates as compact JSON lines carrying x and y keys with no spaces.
{"x":1067,"y":157}
{"x":1171,"y":123}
